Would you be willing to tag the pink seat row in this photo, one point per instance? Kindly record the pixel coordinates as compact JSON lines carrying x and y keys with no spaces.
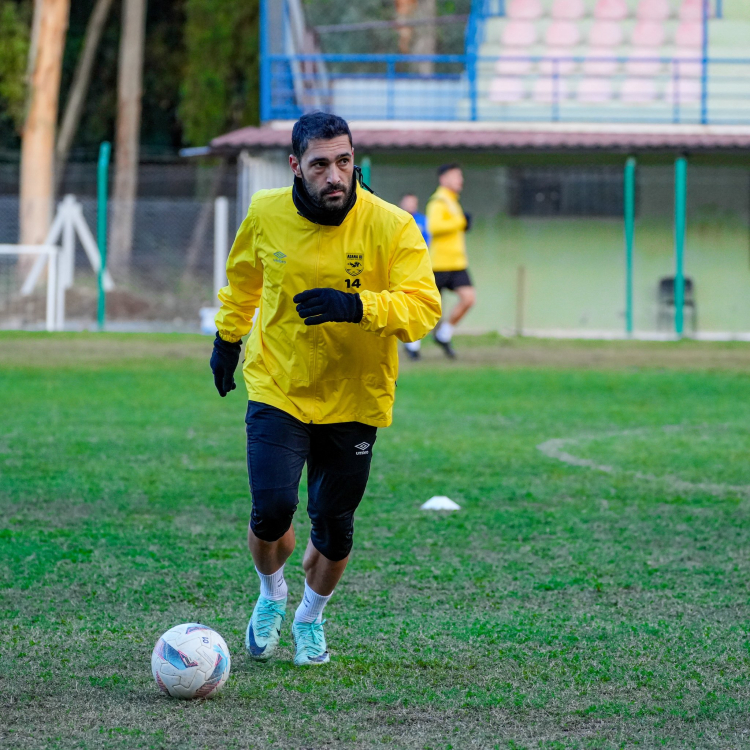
{"x":601,"y":34}
{"x":594,"y":91}
{"x":605,"y":10}
{"x":601,"y":62}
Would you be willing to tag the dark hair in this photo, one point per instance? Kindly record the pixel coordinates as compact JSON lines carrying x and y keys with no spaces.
{"x":443,"y":168}
{"x":317,"y":126}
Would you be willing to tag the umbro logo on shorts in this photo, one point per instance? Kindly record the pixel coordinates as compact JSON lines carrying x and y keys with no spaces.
{"x":362,"y":449}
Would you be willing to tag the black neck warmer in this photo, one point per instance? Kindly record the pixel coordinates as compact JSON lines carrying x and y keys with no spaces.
{"x":307,"y":208}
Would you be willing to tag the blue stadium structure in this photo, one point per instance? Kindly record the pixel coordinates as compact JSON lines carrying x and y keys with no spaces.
{"x":597,"y":61}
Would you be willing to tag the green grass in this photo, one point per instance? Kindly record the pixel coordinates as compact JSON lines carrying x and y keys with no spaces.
{"x":562,"y":607}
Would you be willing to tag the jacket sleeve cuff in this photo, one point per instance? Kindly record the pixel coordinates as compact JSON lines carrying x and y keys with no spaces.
{"x":359,"y":313}
{"x":367,"y":303}
{"x":232,"y":338}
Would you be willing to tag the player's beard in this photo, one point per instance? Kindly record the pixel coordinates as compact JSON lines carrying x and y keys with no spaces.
{"x":322,"y":200}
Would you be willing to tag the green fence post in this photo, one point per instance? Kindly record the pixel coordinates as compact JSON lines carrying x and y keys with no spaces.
{"x":102,"y":179}
{"x":680,"y":220}
{"x":366,"y":170}
{"x":629,"y":239}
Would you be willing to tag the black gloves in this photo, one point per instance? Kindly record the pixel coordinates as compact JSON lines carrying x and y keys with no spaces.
{"x":468,"y":221}
{"x":224,"y":361}
{"x":316,"y":306}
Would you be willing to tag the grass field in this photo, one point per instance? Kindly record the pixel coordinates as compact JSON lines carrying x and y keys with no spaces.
{"x":593,"y":594}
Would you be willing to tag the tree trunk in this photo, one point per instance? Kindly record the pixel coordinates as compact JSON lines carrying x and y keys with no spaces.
{"x":405,"y":10}
{"x":425,"y":36}
{"x":129,"y":90}
{"x":34,"y":44}
{"x":38,"y":138}
{"x":80,"y":85}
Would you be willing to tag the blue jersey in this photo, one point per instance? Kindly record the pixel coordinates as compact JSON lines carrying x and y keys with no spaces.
{"x":421,"y":221}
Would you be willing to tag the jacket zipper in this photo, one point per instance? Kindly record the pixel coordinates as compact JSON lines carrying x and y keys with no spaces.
{"x":316,"y":333}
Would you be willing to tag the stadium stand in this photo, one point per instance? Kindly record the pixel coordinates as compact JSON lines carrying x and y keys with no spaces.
{"x":614,"y":61}
{"x":597,"y":59}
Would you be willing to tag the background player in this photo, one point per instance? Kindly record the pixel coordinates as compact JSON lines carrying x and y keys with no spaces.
{"x":338,"y":275}
{"x":447,"y":224}
{"x":410,"y":203}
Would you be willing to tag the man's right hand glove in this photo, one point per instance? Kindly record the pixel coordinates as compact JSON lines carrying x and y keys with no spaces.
{"x":224,"y":361}
{"x":468,"y":221}
{"x":325,"y":305}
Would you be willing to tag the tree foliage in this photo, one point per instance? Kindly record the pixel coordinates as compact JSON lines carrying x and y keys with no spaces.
{"x":220,"y":85}
{"x":200,"y":75}
{"x":161,"y":130}
{"x":14,"y":50}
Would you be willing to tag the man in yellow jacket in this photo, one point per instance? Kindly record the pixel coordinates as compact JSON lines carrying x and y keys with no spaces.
{"x":447,"y":224}
{"x":336,"y":276}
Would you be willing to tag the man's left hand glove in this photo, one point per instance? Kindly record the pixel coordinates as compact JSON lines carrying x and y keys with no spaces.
{"x":224,"y":361}
{"x":316,"y":306}
{"x":468,"y":221}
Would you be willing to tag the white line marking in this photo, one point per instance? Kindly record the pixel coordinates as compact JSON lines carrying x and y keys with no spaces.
{"x":554,"y":449}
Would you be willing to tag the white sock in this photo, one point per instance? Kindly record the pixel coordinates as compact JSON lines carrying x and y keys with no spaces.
{"x":273,"y":586}
{"x":444,"y":332}
{"x":311,"y":607}
{"x":413,"y":346}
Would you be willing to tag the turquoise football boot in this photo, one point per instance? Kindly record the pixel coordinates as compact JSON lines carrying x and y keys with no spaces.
{"x":264,"y":628}
{"x":310,"y":641}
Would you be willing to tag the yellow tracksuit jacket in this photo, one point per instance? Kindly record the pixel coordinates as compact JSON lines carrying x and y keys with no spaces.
{"x":446,"y":224}
{"x":334,"y":372}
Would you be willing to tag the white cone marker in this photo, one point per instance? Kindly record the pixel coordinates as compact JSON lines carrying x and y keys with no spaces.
{"x":440,"y":502}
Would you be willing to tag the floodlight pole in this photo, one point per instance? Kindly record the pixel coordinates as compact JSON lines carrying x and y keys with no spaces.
{"x":630,"y":165}
{"x":102,"y":178}
{"x":680,"y":221}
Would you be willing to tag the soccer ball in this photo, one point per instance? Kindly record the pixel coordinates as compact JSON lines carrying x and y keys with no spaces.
{"x":190,"y":661}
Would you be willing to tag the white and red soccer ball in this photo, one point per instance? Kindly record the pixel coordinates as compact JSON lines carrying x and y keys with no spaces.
{"x":190,"y":661}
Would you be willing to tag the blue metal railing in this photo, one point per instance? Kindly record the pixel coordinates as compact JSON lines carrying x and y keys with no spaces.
{"x":266,"y":107}
{"x":465,"y":87}
{"x":481,"y":10}
{"x":461,"y":87}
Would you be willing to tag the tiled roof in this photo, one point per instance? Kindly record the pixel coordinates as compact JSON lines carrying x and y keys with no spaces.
{"x":473,"y":136}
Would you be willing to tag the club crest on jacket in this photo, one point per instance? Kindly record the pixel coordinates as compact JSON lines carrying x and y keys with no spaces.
{"x":355,"y":263}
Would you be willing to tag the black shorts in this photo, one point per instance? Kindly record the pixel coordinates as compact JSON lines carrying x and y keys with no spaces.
{"x":452,"y":279}
{"x":338,"y":460}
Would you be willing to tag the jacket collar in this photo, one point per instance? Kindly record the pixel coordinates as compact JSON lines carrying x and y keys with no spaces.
{"x":446,"y":193}
{"x":309,"y":210}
